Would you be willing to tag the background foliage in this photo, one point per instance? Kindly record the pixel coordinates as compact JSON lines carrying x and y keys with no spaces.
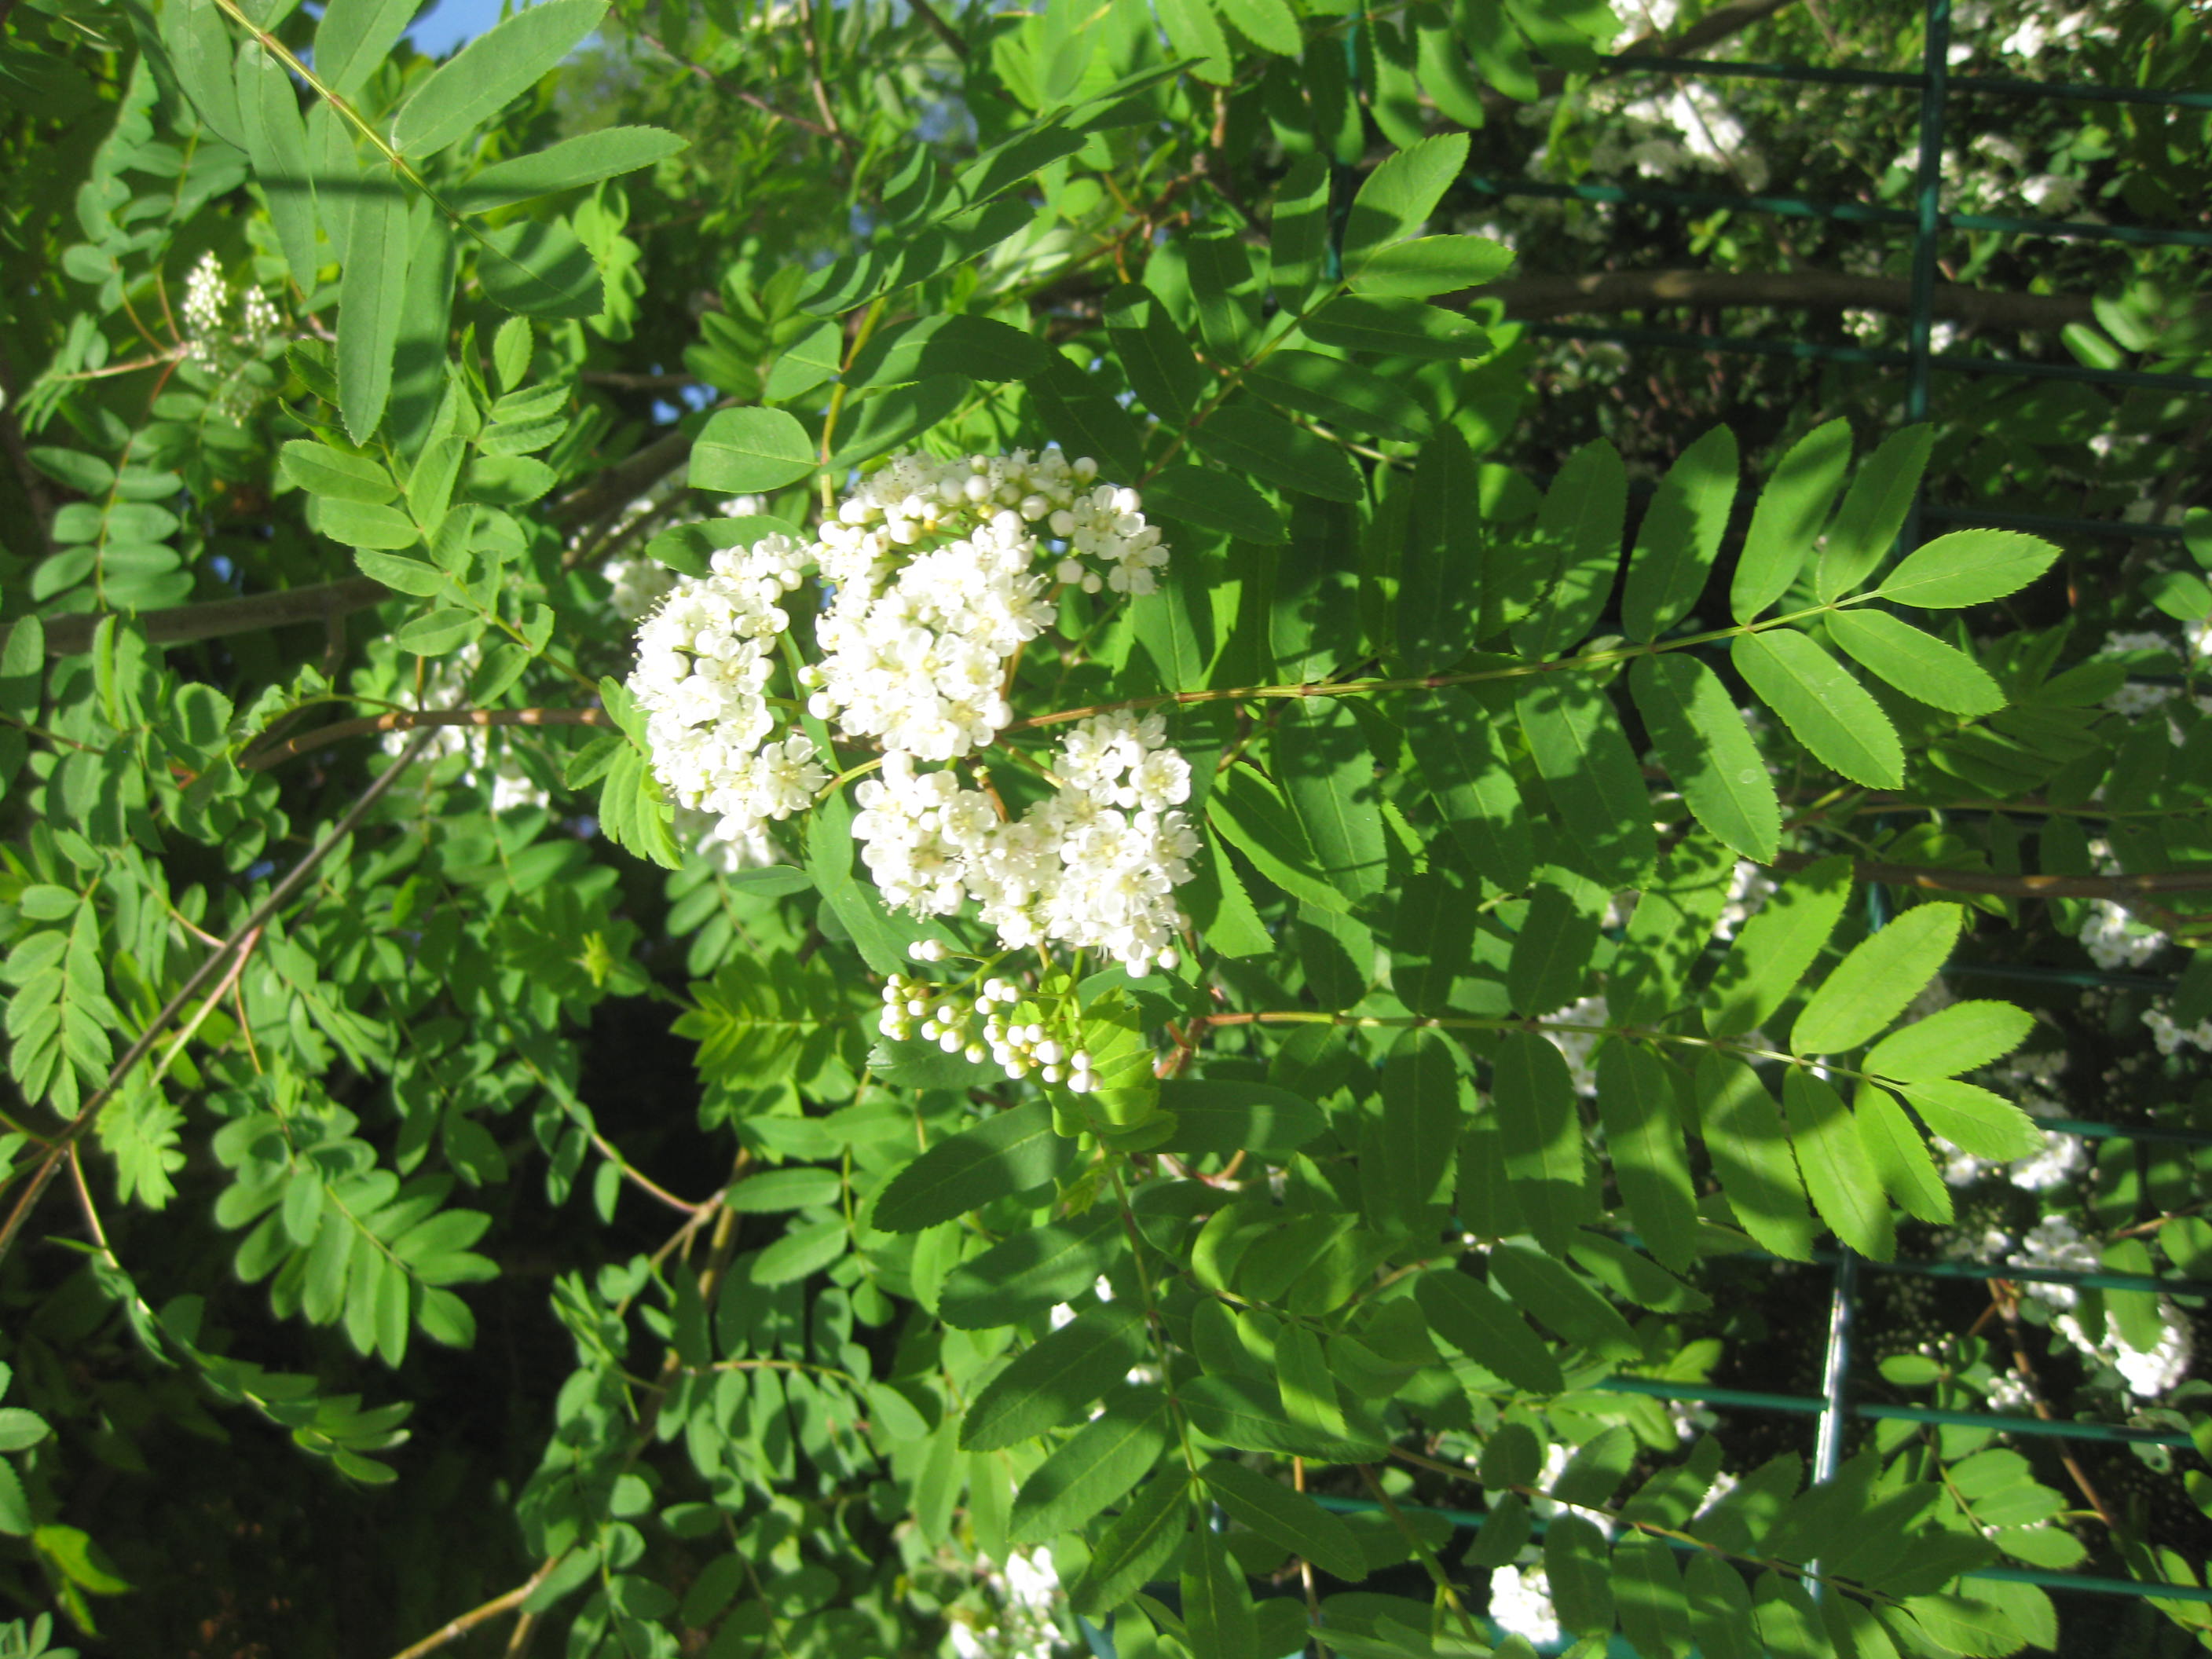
{"x":482,"y":1197}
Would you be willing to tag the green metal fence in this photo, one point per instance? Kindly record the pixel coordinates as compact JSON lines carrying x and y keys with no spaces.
{"x":1926,"y":223}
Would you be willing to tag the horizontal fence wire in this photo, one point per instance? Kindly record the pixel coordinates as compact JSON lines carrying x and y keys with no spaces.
{"x":1471,"y":1519}
{"x":2001,"y":86}
{"x":1863,"y":213}
{"x":1699,"y":1394}
{"x":1950,"y":363}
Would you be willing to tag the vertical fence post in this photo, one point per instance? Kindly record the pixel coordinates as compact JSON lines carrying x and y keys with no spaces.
{"x":1928,"y":208}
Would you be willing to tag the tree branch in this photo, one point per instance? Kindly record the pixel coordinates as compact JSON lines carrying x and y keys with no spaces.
{"x":942,"y":30}
{"x":455,"y":1629}
{"x":409,"y":719}
{"x":179,"y":624}
{"x":1935,"y":879}
{"x":1533,"y":297}
{"x":58,"y":1148}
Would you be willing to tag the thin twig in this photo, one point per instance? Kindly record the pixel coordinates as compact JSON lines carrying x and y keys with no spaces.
{"x":739,"y":93}
{"x":248,"y":930}
{"x":942,"y":30}
{"x":2007,"y":1297}
{"x":454,"y":1630}
{"x":410,"y":720}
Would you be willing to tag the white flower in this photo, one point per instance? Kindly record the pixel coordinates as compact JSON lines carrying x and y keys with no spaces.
{"x":1521,"y":1605}
{"x":1093,"y":866}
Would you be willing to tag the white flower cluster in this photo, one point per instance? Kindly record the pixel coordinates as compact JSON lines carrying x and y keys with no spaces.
{"x":2171,"y":1037}
{"x":1025,"y":1626}
{"x":940,"y":572}
{"x":915,"y":1007}
{"x":203,"y":297}
{"x":704,"y":662}
{"x":206,"y":298}
{"x":2055,"y":1243}
{"x":1094,"y":865}
{"x":916,"y":645}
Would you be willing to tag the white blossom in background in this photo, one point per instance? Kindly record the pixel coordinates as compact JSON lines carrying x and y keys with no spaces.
{"x":2056,"y":1242}
{"x":445,"y":685}
{"x":1028,"y":1595}
{"x":638,"y":584}
{"x":1749,"y":888}
{"x":2028,"y":1079}
{"x":1521,"y":1605}
{"x":1580,"y":1048}
{"x":2114,"y":938}
{"x":2172,"y":1037}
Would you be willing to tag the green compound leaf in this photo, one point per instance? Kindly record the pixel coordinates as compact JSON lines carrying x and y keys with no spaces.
{"x":1533,"y":1095}
{"x":1575,"y":1565}
{"x":1298,"y":230}
{"x":806,"y":1249}
{"x":1397,"y":199}
{"x":1679,"y":535}
{"x":1825,"y":708}
{"x":583,"y":159}
{"x":1874,"y":511}
{"x":1899,"y":1156}
{"x":1260,"y":444}
{"x":1549,"y":1292}
{"x":371,"y":291}
{"x":1398,"y":328}
{"x":1484,"y":1325}
{"x":1211,"y":500}
{"x":1775,"y":947}
{"x":783,"y":1189}
{"x":334,"y":475}
{"x":1217,"y":1602}
{"x":1027,"y":1273}
{"x":1327,"y":775}
{"x":1750,"y":1151}
{"x":1139,"y":1542}
{"x":353,"y":37}
{"x":1699,"y":737}
{"x":1228,"y":1117}
{"x":538,"y":268}
{"x":1968,"y":566}
{"x":1578,"y":531}
{"x":1010,"y":1153}
{"x":1873,"y":985}
{"x":1340,"y":392}
{"x":1464,"y":766}
{"x":1440,"y":574}
{"x":1915,"y":663}
{"x":1551,"y":958}
{"x":1433,"y":265}
{"x":1286,"y":1518}
{"x":1099,"y":1463}
{"x":1970,"y":1117}
{"x":748,"y":451}
{"x":1639,"y":1102}
{"x":1963,"y":1037}
{"x":1786,"y":524}
{"x":1576,"y":738}
{"x":1839,"y":1172}
{"x":490,"y":72}
{"x":1053,"y":1382}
